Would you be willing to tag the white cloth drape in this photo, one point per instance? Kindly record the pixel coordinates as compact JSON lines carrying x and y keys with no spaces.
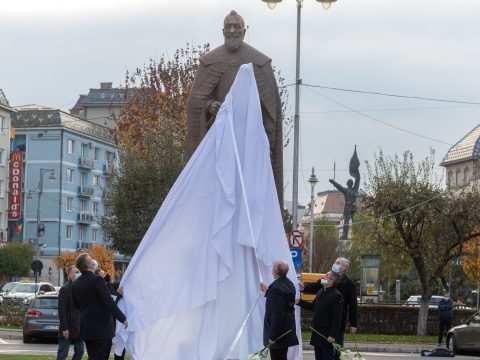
{"x":196,"y":274}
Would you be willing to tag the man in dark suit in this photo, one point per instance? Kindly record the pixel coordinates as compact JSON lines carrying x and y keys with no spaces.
{"x":69,"y":330}
{"x":348,"y":289}
{"x":327,"y":316}
{"x":97,"y":310}
{"x":279,"y":330}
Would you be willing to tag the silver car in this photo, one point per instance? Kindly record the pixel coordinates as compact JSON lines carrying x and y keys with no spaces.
{"x":465,"y":337}
{"x":41,"y":319}
{"x":22,"y":293}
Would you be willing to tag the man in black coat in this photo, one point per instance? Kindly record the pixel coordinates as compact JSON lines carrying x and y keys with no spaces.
{"x":445,"y":307}
{"x":279,"y":329}
{"x":97,"y":310}
{"x":69,"y":330}
{"x":348,"y":289}
{"x":327,"y":316}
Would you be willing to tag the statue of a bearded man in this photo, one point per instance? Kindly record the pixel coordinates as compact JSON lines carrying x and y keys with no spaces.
{"x":215,"y":75}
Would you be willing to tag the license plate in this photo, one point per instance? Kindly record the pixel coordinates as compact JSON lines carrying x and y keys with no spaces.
{"x":50,"y":327}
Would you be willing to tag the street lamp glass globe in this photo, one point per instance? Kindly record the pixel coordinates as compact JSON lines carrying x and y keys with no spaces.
{"x":271,"y":5}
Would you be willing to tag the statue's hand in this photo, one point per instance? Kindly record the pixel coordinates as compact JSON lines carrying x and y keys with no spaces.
{"x":214,"y":107}
{"x":332,"y":181}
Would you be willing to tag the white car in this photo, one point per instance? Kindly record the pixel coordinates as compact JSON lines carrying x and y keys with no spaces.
{"x":415,"y":301}
{"x":23,"y":293}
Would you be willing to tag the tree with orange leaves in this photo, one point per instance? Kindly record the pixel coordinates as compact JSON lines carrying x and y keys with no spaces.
{"x":471,"y":259}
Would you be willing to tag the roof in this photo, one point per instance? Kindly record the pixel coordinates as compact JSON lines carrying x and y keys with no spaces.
{"x":466,"y":149}
{"x":102,"y":97}
{"x":4,"y":101}
{"x":329,"y":202}
{"x":34,"y":116}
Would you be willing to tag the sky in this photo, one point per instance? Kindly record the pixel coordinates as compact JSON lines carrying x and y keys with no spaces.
{"x":54,"y":50}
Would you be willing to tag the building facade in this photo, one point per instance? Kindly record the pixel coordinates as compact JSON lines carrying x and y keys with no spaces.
{"x":5,"y":112}
{"x":462,"y":162}
{"x":65,"y":160}
{"x":101,"y":105}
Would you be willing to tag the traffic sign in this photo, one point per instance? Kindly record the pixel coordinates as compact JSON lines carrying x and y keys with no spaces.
{"x":297,"y":258}
{"x":295,"y":239}
{"x":36,"y":266}
{"x":457,"y":261}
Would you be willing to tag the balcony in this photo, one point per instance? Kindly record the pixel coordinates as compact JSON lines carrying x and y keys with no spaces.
{"x":82,"y":245}
{"x":108,"y":167}
{"x":85,"y":191}
{"x":86,"y":163}
{"x":85,"y":218}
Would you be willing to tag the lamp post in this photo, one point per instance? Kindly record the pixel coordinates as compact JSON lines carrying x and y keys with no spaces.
{"x":40,"y":228}
{"x":313,"y":180}
{"x":296,"y":123}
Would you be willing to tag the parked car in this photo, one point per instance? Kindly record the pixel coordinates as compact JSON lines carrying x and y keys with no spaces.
{"x":415,"y":301}
{"x":24,"y":293}
{"x":5,"y":288}
{"x":41,"y":319}
{"x":465,"y":336}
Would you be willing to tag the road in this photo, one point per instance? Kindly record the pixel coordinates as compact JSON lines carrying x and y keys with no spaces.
{"x":17,"y":347}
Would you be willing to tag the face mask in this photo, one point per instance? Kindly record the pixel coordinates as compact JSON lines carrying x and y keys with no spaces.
{"x":336,"y":268}
{"x":77,"y":275}
{"x":324,"y":281}
{"x":95,"y":264}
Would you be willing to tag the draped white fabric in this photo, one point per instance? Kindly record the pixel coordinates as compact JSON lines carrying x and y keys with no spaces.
{"x":195,"y":276}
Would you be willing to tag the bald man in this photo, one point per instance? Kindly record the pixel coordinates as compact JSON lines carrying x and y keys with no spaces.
{"x":279,"y":331}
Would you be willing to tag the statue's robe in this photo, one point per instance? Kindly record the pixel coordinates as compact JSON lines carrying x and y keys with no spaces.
{"x":215,"y":75}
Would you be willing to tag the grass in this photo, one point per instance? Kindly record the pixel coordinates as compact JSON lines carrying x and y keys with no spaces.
{"x":381,"y":338}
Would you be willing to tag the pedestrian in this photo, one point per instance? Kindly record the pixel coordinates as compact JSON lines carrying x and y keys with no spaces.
{"x":327,"y":316}
{"x":279,"y":328}
{"x":348,"y":289}
{"x":445,"y":307}
{"x":97,"y":310}
{"x":69,"y":330}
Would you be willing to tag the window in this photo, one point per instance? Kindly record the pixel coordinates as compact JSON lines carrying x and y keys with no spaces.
{"x":457,"y":178}
{"x":70,"y":146}
{"x":81,"y":234}
{"x":69,"y":204}
{"x":69,"y":175}
{"x":84,"y":150}
{"x":3,"y":125}
{"x":450,"y":179}
{"x":83,"y":205}
{"x":2,"y":188}
{"x":94,"y":235}
{"x":69,"y":231}
{"x":96,"y":181}
{"x":2,"y":157}
{"x":96,"y":153}
{"x":95,"y":207}
{"x":83,"y":179}
{"x":466,"y":174}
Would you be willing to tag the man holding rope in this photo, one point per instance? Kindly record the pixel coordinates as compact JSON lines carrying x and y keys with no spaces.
{"x":279,"y":323}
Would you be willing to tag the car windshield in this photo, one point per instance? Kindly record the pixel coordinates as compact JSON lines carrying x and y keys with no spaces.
{"x":8,"y":286}
{"x":46,"y":303}
{"x":27,"y":288}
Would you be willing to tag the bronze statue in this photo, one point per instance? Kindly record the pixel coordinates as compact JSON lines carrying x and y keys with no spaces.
{"x":215,"y":75}
{"x":350,"y":193}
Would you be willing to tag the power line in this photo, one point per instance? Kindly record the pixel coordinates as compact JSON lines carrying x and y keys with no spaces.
{"x":392,"y":95}
{"x":390,"y":109}
{"x":379,"y":121}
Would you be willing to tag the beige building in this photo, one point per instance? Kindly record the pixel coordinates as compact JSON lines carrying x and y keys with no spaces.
{"x":462,"y":161}
{"x":101,"y":105}
{"x":5,"y":111}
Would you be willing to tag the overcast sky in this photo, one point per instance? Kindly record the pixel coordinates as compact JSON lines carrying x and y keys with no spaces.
{"x":53,"y":50}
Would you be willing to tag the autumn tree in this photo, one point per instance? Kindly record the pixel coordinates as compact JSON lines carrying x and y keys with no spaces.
{"x":64,"y":261}
{"x":471,"y":259}
{"x":431,"y":224}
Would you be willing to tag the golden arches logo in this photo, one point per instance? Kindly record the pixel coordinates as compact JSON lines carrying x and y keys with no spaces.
{"x":16,"y":156}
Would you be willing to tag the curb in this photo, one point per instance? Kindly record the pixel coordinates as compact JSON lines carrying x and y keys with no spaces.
{"x":11,"y":334}
{"x":379,"y":348}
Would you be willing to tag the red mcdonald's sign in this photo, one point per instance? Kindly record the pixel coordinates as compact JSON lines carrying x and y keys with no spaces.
{"x":15,"y":198}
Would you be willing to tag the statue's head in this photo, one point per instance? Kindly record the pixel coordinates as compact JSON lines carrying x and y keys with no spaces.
{"x":350,"y":183}
{"x":233,"y":31}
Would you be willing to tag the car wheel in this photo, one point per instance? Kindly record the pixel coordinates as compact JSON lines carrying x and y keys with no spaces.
{"x":27,"y":339}
{"x":452,"y":344}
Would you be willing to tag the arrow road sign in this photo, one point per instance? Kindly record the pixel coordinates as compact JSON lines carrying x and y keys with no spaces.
{"x":295,"y":239}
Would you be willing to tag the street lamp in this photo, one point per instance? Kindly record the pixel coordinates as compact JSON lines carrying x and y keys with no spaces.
{"x":296,"y":123}
{"x":40,"y":228}
{"x":313,"y":180}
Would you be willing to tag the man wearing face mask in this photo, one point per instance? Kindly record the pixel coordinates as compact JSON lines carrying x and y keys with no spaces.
{"x":69,"y":330}
{"x":327,"y":316}
{"x":97,"y":310}
{"x":348,"y":289}
{"x":445,"y":307}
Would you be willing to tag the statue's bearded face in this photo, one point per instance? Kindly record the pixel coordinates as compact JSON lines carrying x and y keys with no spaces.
{"x":233,"y":32}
